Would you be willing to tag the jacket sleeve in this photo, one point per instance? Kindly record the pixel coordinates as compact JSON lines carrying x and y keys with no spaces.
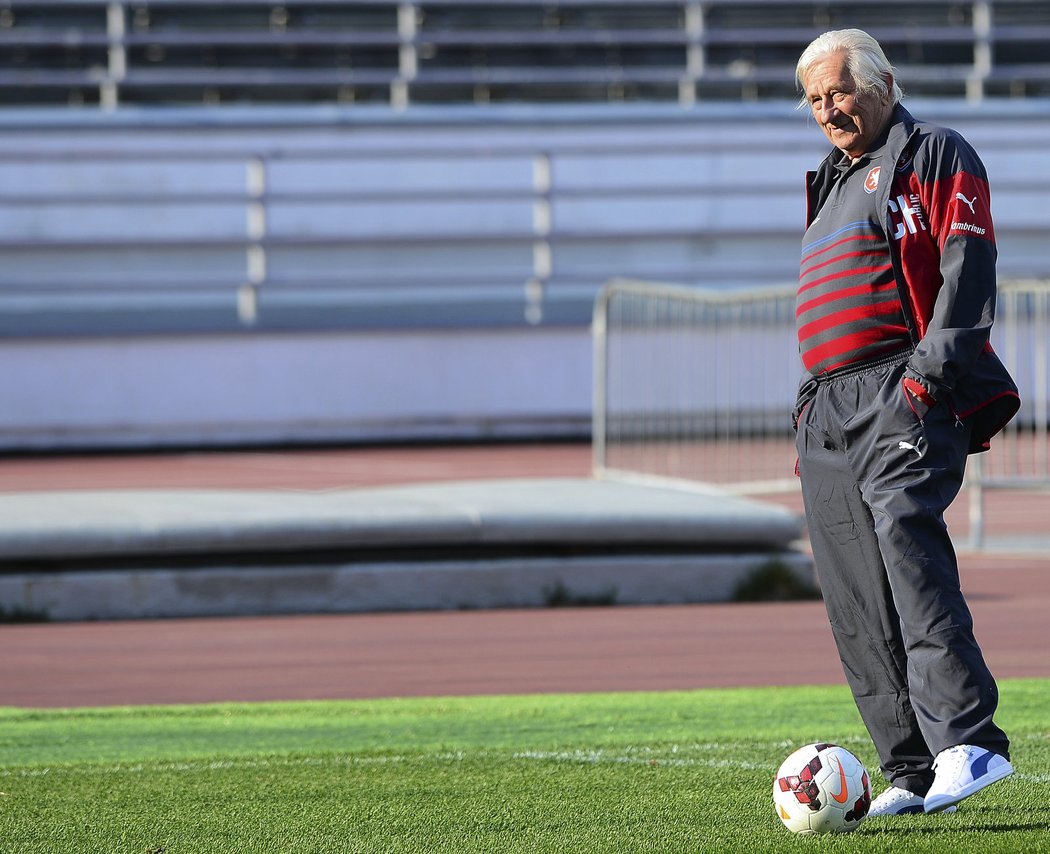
{"x":960,"y":307}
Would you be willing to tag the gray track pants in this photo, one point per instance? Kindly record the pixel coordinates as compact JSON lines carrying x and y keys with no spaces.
{"x":876,"y":482}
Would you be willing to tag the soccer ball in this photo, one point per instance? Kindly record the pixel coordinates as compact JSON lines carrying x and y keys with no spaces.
{"x":821,"y":788}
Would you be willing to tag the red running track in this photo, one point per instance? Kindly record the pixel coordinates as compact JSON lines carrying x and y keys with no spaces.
{"x":447,"y":653}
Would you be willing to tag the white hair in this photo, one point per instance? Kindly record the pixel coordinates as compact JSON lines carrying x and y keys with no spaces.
{"x":865,"y":60}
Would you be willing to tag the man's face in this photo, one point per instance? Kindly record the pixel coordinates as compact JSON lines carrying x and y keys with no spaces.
{"x":851,"y":121}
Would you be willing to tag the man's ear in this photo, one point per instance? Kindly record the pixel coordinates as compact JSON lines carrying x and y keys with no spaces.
{"x":888,"y":77}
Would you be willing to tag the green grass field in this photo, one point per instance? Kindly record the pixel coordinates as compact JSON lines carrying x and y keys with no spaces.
{"x":676,"y":772}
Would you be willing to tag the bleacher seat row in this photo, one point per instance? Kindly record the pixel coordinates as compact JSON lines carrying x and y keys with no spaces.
{"x":108,"y":53}
{"x":506,"y":217}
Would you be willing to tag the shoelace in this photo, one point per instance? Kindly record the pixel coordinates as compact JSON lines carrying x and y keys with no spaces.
{"x":952,"y":760}
{"x":891,"y":797}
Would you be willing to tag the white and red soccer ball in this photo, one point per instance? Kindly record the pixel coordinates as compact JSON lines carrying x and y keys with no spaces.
{"x":822,"y":788}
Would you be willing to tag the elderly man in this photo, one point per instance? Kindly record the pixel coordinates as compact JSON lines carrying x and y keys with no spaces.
{"x":895,"y":304}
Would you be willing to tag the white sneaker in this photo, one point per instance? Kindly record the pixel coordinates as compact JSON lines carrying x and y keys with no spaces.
{"x":963,"y":771}
{"x":896,"y":801}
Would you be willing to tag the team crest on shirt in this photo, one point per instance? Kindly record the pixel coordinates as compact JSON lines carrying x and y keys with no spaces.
{"x":872,"y":181}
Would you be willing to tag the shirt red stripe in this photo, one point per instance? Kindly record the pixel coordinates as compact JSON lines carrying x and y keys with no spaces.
{"x":804,"y":273}
{"x":845,"y":347}
{"x":845,"y":293}
{"x":838,"y":318}
{"x":831,"y":246}
{"x":855,"y":271}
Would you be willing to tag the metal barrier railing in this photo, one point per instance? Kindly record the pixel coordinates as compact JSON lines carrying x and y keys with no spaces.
{"x":1020,"y":455}
{"x":697,"y":385}
{"x":694,"y":384}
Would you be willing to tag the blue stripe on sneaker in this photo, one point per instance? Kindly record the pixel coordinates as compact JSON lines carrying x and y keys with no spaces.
{"x":980,"y":765}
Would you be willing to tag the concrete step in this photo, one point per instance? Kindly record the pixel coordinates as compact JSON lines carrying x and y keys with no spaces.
{"x":470,"y":544}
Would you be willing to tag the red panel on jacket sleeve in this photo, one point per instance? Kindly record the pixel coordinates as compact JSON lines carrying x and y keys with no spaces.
{"x":960,"y":204}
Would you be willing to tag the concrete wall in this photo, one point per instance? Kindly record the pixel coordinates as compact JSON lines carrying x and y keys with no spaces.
{"x":336,"y":386}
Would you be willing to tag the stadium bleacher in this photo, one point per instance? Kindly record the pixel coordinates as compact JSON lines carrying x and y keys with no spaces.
{"x":108,"y":53}
{"x":256,"y":168}
{"x":122,"y":216}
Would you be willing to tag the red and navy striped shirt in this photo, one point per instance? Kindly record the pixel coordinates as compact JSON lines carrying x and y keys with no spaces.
{"x":848,"y":308}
